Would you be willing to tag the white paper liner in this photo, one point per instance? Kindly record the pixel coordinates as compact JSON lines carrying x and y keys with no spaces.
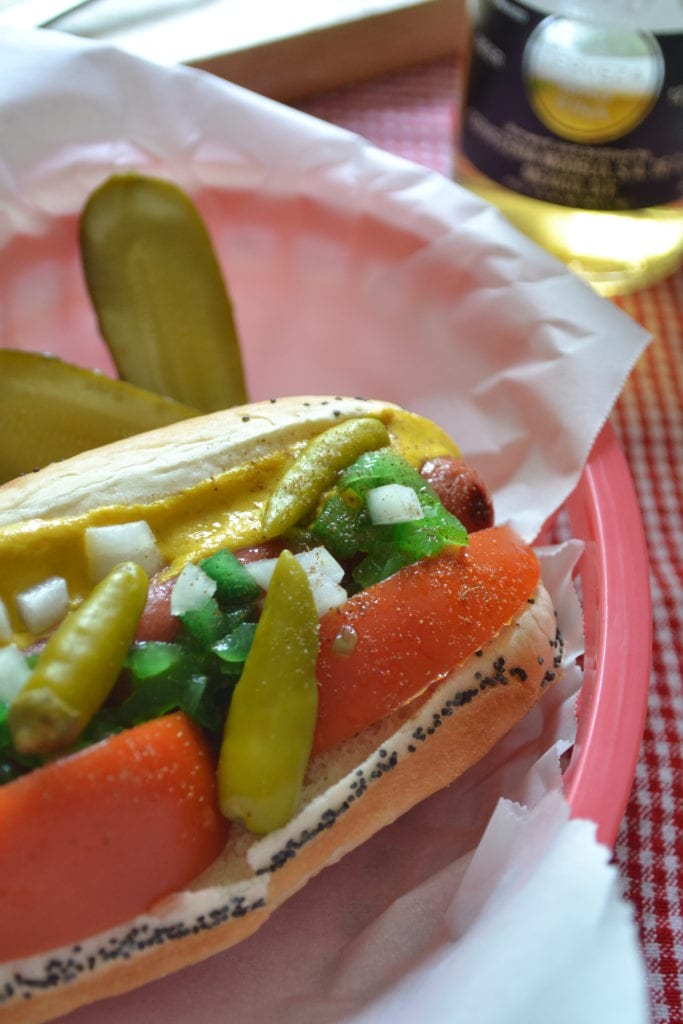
{"x":356,"y":272}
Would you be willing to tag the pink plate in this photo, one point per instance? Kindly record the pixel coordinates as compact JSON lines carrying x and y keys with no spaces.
{"x":43,"y":303}
{"x":615,"y":584}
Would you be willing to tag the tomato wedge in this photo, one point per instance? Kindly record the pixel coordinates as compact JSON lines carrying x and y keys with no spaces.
{"x":94,"y":838}
{"x":388,"y":643}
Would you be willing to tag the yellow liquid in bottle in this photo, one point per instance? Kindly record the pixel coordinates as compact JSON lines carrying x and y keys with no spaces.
{"x":588,"y":87}
{"x":616,"y":253}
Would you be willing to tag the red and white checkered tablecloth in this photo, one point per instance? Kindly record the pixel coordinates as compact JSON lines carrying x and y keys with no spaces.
{"x":412,"y":114}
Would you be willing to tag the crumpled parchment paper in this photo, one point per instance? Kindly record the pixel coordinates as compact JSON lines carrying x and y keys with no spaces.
{"x":353,"y":271}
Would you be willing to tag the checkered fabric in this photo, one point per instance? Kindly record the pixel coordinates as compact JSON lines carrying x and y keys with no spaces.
{"x":649,"y":851}
{"x":412,"y":114}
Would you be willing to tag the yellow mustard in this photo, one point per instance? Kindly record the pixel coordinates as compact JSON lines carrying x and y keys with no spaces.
{"x":223,"y":511}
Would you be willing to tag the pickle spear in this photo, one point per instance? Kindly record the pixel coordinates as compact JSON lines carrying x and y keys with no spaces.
{"x":50,"y":410}
{"x":159,"y":294}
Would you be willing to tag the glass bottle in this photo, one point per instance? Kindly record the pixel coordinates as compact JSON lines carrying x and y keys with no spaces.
{"x":572,"y":124}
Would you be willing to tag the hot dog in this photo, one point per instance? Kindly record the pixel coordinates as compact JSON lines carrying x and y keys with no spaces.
{"x":422,"y":661}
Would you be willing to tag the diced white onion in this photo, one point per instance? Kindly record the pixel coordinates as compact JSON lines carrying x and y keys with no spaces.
{"x":14,"y":671}
{"x":43,"y":605}
{"x":393,"y":503}
{"x":108,"y":546}
{"x":324,"y":574}
{"x":5,"y":624}
{"x":191,"y":590}
{"x":319,"y":560}
{"x":262,"y":571}
{"x":326,"y":593}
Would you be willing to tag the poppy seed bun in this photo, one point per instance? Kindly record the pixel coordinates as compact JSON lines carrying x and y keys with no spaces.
{"x":350,"y":791}
{"x":158,"y":463}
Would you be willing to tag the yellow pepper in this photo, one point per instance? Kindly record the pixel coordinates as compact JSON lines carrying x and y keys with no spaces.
{"x":79,"y":664}
{"x":271,"y":720}
{"x":314,"y":471}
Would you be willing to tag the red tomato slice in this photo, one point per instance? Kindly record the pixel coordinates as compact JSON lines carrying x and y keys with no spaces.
{"x":414,"y":628}
{"x":93,"y":839}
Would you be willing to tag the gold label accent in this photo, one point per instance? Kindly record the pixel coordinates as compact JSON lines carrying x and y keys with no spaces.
{"x":589,"y":83}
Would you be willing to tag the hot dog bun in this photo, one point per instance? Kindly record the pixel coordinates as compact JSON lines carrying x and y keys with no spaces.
{"x":350,"y":792}
{"x":160,"y":462}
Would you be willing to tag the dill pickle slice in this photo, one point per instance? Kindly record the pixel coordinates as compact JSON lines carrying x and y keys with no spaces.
{"x":50,"y":410}
{"x":159,"y":294}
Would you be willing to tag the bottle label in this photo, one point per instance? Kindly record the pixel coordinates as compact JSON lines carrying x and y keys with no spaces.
{"x":575,"y":113}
